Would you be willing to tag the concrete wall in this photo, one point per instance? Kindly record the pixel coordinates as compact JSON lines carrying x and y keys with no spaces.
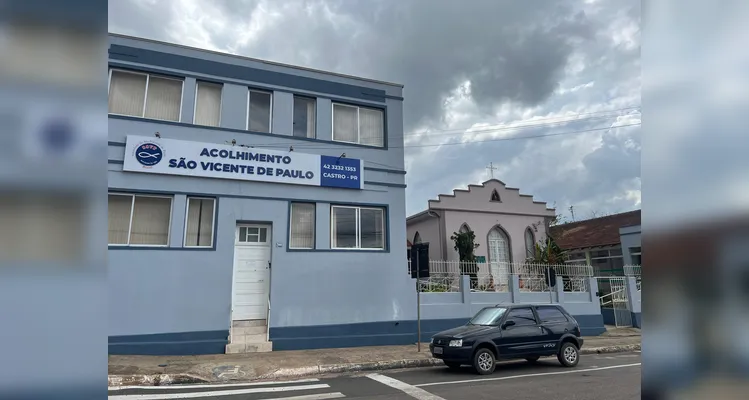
{"x":176,"y":300}
{"x":482,"y":223}
{"x":430,"y":231}
{"x":440,"y":311}
{"x":630,"y":237}
{"x":477,"y":198}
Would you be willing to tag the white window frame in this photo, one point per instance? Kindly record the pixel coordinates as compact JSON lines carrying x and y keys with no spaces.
{"x":358,"y":228}
{"x":132,"y":209}
{"x":358,"y":125}
{"x":266,"y":243}
{"x":213,"y":222}
{"x":270,"y":116}
{"x":314,"y":225}
{"x":220,"y":104}
{"x":145,"y":96}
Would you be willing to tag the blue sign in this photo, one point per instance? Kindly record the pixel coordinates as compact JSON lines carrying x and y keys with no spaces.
{"x":149,"y":154}
{"x":340,"y":172}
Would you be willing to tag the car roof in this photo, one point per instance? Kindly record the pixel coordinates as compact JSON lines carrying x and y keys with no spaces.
{"x":517,"y":305}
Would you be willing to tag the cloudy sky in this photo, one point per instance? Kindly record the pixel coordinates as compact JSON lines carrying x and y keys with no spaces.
{"x":548,"y":91}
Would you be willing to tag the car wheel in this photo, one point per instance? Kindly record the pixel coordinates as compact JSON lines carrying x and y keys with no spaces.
{"x":532,"y":359}
{"x":568,"y":355}
{"x":483,"y":361}
{"x":452,"y":365}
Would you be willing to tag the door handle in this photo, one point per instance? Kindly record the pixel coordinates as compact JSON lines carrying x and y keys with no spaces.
{"x":269,"y":264}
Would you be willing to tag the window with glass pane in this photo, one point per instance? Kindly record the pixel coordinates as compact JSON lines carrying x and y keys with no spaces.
{"x":530,"y":244}
{"x":302,"y":226}
{"x":120,"y":207}
{"x":358,"y":125}
{"x":372,"y":229}
{"x":371,"y":127}
{"x":304,"y":117}
{"x":127,"y":93}
{"x":208,"y":104}
{"x":636,"y":254}
{"x":550,"y":314}
{"x":345,"y":123}
{"x":344,"y":225}
{"x":145,"y":95}
{"x":259,"y":113}
{"x":139,"y":220}
{"x":252,"y":234}
{"x":522,"y":316}
{"x":358,"y":228}
{"x":199,"y":229}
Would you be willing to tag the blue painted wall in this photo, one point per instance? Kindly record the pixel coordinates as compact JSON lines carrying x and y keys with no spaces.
{"x":608,"y":316}
{"x":390,"y":333}
{"x":439,"y":311}
{"x":178,"y":301}
{"x":637,"y":320}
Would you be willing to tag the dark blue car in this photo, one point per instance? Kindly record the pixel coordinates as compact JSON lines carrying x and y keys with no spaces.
{"x":516,"y":331}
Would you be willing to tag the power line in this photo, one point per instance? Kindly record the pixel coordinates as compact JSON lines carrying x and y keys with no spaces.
{"x":497,"y":129}
{"x":468,"y":141}
{"x":548,"y":121}
{"x":527,"y":137}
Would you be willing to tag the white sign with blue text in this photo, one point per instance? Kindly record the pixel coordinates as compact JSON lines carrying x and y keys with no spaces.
{"x":180,"y":157}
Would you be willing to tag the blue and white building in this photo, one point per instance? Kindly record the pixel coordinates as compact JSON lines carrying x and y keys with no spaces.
{"x":252,"y":205}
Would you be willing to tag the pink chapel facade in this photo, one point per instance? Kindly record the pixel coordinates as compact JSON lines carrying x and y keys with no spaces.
{"x":506,"y":223}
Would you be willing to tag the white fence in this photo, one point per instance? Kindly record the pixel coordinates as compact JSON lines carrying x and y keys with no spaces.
{"x":444,"y":276}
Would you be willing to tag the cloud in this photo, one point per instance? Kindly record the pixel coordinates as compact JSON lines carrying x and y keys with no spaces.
{"x":479,"y":71}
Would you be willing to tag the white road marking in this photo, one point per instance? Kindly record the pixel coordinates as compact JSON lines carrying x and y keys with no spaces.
{"x":575,"y":371}
{"x":217,"y":393}
{"x":208,"y":386}
{"x":410,"y":390}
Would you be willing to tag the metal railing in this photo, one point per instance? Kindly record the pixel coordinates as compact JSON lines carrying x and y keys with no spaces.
{"x":634,"y":271}
{"x":444,"y":276}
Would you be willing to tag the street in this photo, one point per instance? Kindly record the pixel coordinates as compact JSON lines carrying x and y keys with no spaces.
{"x":612,"y":376}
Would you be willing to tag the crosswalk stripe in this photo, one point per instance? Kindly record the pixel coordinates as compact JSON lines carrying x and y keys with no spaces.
{"x":208,"y":386}
{"x":404,"y":387}
{"x":502,"y":378}
{"x":216,"y":393}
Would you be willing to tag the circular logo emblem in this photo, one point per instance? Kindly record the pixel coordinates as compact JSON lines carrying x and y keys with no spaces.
{"x":149,"y":154}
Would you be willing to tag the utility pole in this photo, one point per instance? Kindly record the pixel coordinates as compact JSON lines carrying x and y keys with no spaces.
{"x":491,"y":169}
{"x":418,"y":304}
{"x":572,"y":212}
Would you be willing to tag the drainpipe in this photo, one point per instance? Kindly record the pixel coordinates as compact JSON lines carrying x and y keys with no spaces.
{"x":439,"y":231}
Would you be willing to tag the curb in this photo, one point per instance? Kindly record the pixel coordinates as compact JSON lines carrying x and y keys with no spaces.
{"x":117,"y":381}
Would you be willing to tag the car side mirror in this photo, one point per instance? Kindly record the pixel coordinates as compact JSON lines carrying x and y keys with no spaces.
{"x":508,"y":324}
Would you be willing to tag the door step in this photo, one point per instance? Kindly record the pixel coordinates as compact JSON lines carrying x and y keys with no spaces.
{"x":248,"y":323}
{"x":248,"y":337}
{"x":242,"y":348}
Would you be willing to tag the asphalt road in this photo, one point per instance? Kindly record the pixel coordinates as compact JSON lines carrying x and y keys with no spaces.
{"x":612,"y":377}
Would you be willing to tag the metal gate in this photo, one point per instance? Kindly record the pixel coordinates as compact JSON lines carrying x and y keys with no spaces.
{"x":614,"y":298}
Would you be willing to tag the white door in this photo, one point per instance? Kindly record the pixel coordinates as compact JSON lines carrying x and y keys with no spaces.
{"x":499,"y":256}
{"x":251,"y":272}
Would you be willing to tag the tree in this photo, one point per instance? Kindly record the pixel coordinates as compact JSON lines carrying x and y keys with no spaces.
{"x":465,"y":244}
{"x":548,"y":252}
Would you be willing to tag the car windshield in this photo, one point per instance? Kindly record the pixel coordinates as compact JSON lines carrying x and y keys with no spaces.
{"x":488,"y":316}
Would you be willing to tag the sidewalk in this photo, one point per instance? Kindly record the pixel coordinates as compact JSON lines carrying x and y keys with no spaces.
{"x":166,"y":370}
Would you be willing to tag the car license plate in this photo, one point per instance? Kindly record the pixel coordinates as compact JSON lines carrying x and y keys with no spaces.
{"x":438,"y":350}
